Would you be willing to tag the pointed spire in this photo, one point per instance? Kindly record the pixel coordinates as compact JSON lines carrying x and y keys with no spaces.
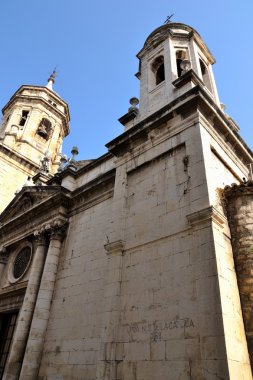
{"x":51,"y":79}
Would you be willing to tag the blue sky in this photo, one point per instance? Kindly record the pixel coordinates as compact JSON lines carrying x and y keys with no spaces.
{"x":95,"y":44}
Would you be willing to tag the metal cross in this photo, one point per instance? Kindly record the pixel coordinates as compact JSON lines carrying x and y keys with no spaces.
{"x":168,"y":19}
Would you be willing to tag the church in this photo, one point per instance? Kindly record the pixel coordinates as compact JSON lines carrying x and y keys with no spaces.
{"x":137,"y":265}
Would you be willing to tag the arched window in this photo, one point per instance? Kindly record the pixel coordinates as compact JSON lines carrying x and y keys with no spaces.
{"x":180,"y":56}
{"x":205,"y":75}
{"x":44,"y":128}
{"x":158,"y":69}
{"x":23,"y":118}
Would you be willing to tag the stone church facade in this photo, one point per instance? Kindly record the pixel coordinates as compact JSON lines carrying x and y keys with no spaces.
{"x":136,"y":265}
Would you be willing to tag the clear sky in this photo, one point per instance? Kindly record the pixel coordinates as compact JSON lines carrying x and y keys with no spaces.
{"x":95,"y":44}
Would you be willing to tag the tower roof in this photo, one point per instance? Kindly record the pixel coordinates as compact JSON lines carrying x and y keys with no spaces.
{"x":175,"y":30}
{"x":45,"y":96}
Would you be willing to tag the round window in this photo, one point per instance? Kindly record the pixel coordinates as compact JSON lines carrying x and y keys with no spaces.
{"x":21,"y":262}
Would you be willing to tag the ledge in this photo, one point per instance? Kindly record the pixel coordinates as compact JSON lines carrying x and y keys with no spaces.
{"x":207,"y":214}
{"x":11,"y":290}
{"x":189,"y":76}
{"x":128,"y":116}
{"x":115,"y":247}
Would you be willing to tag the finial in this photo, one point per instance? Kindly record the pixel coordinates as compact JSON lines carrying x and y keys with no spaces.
{"x":134,"y":103}
{"x":74,"y":152}
{"x":72,"y":161}
{"x":51,"y":79}
{"x":168,"y":19}
{"x":64,"y":160}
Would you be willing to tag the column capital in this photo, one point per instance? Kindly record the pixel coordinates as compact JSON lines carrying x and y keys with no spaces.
{"x":57,"y":229}
{"x":39,"y":236}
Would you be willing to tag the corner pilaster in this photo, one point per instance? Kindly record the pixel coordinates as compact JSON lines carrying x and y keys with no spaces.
{"x":110,"y":353}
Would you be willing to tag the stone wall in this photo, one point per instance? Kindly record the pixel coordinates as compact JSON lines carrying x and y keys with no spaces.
{"x":143,"y":288}
{"x":13,"y":176}
{"x":239,"y":201}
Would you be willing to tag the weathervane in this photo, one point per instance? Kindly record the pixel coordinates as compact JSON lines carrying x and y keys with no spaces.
{"x":168,"y":19}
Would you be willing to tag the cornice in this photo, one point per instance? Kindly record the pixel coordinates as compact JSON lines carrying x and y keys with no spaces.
{"x":94,"y":192}
{"x":51,"y":93}
{"x":13,"y":290}
{"x":80,"y":171}
{"x":162,"y":32}
{"x":47,"y":105}
{"x":55,"y":206}
{"x":210,"y":214}
{"x":115,"y":248}
{"x":26,"y":162}
{"x":196,"y":99}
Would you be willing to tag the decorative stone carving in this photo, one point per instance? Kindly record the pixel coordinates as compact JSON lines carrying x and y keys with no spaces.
{"x":39,"y":236}
{"x":22,"y":262}
{"x":55,"y":229}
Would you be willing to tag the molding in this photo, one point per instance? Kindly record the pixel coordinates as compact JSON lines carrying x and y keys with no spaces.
{"x":131,"y":115}
{"x":24,"y":244}
{"x":114,"y":248}
{"x":42,"y":214}
{"x":189,"y":76}
{"x":194,"y":100}
{"x":209,"y":214}
{"x":17,"y":159}
{"x":91,"y":202}
{"x":80,"y":171}
{"x":11,"y":297}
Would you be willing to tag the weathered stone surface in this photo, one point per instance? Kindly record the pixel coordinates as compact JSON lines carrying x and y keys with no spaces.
{"x":143,"y":285}
{"x":240,"y":215}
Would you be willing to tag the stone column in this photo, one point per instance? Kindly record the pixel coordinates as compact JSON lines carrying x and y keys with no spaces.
{"x":34,"y":348}
{"x":16,"y":355}
{"x":239,"y":202}
{"x":3,"y":259}
{"x":111,"y":350}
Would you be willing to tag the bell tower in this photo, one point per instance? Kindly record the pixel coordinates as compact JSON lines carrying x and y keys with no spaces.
{"x":174,"y":59}
{"x":35,"y":122}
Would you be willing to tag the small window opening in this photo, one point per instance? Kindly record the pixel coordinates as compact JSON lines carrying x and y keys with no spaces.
{"x":202,"y":67}
{"x":44,"y":128}
{"x":53,"y":103}
{"x":23,"y":118}
{"x":181,"y":55}
{"x":158,"y":69}
{"x":205,"y":75}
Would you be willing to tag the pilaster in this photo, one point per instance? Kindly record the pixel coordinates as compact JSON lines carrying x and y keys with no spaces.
{"x":41,"y":314}
{"x":110,"y":353}
{"x":16,"y":355}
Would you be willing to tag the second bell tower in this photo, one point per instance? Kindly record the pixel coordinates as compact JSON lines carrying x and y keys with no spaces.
{"x":35,"y":121}
{"x":174,"y":59}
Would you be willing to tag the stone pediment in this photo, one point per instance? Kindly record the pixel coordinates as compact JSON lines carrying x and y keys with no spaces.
{"x":26,"y":199}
